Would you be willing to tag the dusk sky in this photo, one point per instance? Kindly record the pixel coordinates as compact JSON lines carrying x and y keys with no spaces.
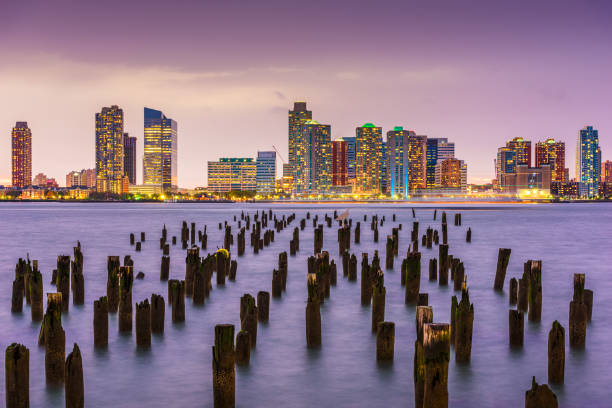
{"x":475,"y":72}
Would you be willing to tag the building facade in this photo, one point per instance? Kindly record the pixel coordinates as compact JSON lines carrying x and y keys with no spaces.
{"x":398,"y":161}
{"x":528,"y":178}
{"x":160,"y":150}
{"x":551,"y":152}
{"x":109,"y":150}
{"x":21,"y":153}
{"x":297,"y":117}
{"x":368,"y":159}
{"x":417,"y":162}
{"x":522,"y":148}
{"x":83,"y":178}
{"x":129,"y":157}
{"x":351,"y":156}
{"x":588,"y":162}
{"x":232,"y":174}
{"x":437,"y":149}
{"x":312,"y":173}
{"x":451,"y":174}
{"x":606,"y":171}
{"x":339,"y":163}
{"x":265,"y":177}
{"x":505,"y":164}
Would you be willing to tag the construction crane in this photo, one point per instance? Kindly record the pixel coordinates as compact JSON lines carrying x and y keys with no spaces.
{"x":279,"y":155}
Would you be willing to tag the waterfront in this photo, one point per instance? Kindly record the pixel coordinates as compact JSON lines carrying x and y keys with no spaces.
{"x":176,"y":371}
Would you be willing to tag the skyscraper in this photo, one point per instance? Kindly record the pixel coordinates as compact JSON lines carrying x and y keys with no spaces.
{"x":21,"y":149}
{"x":297,"y":117}
{"x":109,"y":150}
{"x":339,"y":163}
{"x":129,"y":157}
{"x":351,"y":146}
{"x":397,"y":161}
{"x":551,"y":153}
{"x":265,"y":173}
{"x":588,"y":161}
{"x":368,"y":160}
{"x":312,"y":173}
{"x":451,"y":174}
{"x":522,"y":148}
{"x":160,"y":150}
{"x":437,"y":149}
{"x":417,"y":162}
{"x":505,"y":164}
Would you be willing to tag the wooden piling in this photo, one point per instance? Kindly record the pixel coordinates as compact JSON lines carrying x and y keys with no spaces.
{"x":243,"y":348}
{"x":378,"y":299}
{"x":223,"y":367}
{"x":436,"y":350}
{"x":192,"y":264}
{"x":540,"y":396}
{"x":556,"y":354}
{"x":313,"y":313}
{"x":366,"y":282}
{"x":143,"y":324}
{"x":177,"y":288}
{"x":55,"y":347}
{"x":443,"y":265}
{"x":535,"y":291}
{"x":423,"y":299}
{"x":17,"y":376}
{"x":263,"y":306}
{"x":464,"y":323}
{"x":248,"y":318}
{"x":516,"y":327}
{"x":413,"y":278}
{"x":385,"y":341}
{"x":352,"y":275}
{"x":74,"y":388}
{"x":158,"y":313}
{"x":165,"y":268}
{"x":513,"y":291}
{"x":100,"y":322}
{"x":112,"y":283}
{"x":424,"y":315}
{"x":126,"y":280}
{"x":503,"y":257}
{"x":63,"y":280}
{"x":433,"y":269}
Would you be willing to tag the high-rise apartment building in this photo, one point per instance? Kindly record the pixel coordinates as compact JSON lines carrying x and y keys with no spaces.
{"x":351,"y":155}
{"x":437,"y":149}
{"x":297,"y":117}
{"x":83,"y":178}
{"x":312,"y":173}
{"x":287,"y":180}
{"x":339,"y":163}
{"x":451,"y":174}
{"x":21,"y":153}
{"x":504,"y":164}
{"x":265,"y":178}
{"x":368,"y":159}
{"x":606,"y":171}
{"x":160,"y":150}
{"x":398,"y":161}
{"x":129,"y":157}
{"x":551,"y":152}
{"x":109,"y":150}
{"x":417,"y":162}
{"x":522,"y":148}
{"x":232,"y":174}
{"x":588,"y":162}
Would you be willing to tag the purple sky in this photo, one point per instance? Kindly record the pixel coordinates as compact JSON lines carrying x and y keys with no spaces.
{"x":476,"y":72}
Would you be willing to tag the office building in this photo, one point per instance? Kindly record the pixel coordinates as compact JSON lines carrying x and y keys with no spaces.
{"x":351,"y":155}
{"x":232,"y":174}
{"x":21,"y":153}
{"x":437,"y":149}
{"x":505,"y":164}
{"x":160,"y":150}
{"x":109,"y":150}
{"x":129,"y":157}
{"x":287,"y":179}
{"x":565,"y":189}
{"x":551,"y":152}
{"x":312,"y":173}
{"x":339,"y":163}
{"x":297,"y":117}
{"x":522,"y":148}
{"x":265,"y":177}
{"x":588,"y":162}
{"x":368,"y":159}
{"x":451,"y":174}
{"x":417,"y":162}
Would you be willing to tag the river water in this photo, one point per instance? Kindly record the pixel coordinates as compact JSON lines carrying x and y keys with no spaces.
{"x":176,"y":371}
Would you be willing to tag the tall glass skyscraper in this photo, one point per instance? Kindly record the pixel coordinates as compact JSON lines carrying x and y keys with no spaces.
{"x":21,"y":152}
{"x":588,"y":162}
{"x":505,"y":164}
{"x":266,"y":173}
{"x":339,"y":159}
{"x":109,"y":150}
{"x":160,"y":150}
{"x":368,"y":161}
{"x":397,"y":161}
{"x":129,"y":157}
{"x":351,"y":147}
{"x":417,"y":162}
{"x":297,"y":117}
{"x":313,"y":160}
{"x":437,"y":149}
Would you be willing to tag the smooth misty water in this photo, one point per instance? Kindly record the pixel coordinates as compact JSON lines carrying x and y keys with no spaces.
{"x":176,"y":371}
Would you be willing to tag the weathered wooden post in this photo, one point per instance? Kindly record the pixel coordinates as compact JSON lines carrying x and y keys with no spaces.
{"x":366,"y":281}
{"x":378,"y":299}
{"x":468,"y":235}
{"x":436,"y":349}
{"x":100,"y":322}
{"x":36,"y":293}
{"x":63,"y":280}
{"x":192,"y":264}
{"x":535,"y":291}
{"x":277,"y":284}
{"x":17,"y":376}
{"x":513,"y":291}
{"x":248,"y":317}
{"x":17,"y":295}
{"x":444,"y":233}
{"x":443,"y":265}
{"x":578,"y":314}
{"x":389,"y":253}
{"x":223,"y":368}
{"x":588,"y":299}
{"x":540,"y":396}
{"x":112,"y":283}
{"x":177,"y":288}
{"x":413,"y":278}
{"x":158,"y":313}
{"x":78,"y":281}
{"x":54,"y":307}
{"x":357,"y":232}
{"x":74,"y":388}
{"x":464,"y":323}
{"x":165,"y":268}
{"x":453,"y":317}
{"x":313,"y":313}
{"x":556,"y":354}
{"x":458,"y":275}
{"x":143,"y":324}
{"x":243,"y":348}
{"x":222,"y":256}
{"x":516,"y":327}
{"x":503,"y":257}
{"x":55,"y":344}
{"x":126,"y":280}
{"x":522,"y":302}
{"x":263,"y":306}
{"x":385,"y":341}
{"x":433,"y":269}
{"x":132,"y":238}
{"x":424,"y":315}
{"x":423,"y":299}
{"x":200,"y":283}
{"x":352,"y":276}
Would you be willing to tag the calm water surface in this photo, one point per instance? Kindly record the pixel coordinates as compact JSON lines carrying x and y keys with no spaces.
{"x":176,"y":371}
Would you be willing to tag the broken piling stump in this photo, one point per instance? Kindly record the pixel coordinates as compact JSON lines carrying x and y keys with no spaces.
{"x":263,"y":306}
{"x":516,"y":327}
{"x":313,"y":313}
{"x":158,"y":313}
{"x":413,"y":278}
{"x":436,"y":350}
{"x":556,"y":354}
{"x":513,"y":291}
{"x":74,"y":388}
{"x":177,"y":289}
{"x":503,"y":257}
{"x":100,"y":322}
{"x":17,"y":376}
{"x":126,"y":280}
{"x":464,"y":323}
{"x":243,"y":348}
{"x":385,"y":341}
{"x":143,"y":324}
{"x":223,"y":367}
{"x":540,"y":396}
{"x":378,"y":299}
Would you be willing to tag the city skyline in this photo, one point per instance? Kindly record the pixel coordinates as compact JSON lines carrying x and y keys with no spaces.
{"x":473,"y":78}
